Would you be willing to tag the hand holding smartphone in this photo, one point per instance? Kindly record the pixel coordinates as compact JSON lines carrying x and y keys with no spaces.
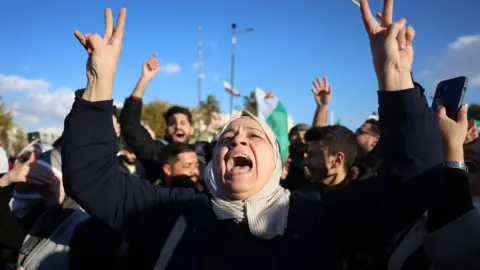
{"x":450,"y":94}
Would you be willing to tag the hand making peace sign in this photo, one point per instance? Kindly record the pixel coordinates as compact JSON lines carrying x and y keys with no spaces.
{"x":104,"y":54}
{"x":391,"y":45}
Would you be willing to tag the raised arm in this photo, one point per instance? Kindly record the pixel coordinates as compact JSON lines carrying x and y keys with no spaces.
{"x":323,"y":94}
{"x":90,"y":167}
{"x":143,"y":145}
{"x":371,"y":210}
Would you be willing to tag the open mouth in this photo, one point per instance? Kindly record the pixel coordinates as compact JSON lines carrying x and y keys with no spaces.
{"x":180,"y":135}
{"x":238,"y":162}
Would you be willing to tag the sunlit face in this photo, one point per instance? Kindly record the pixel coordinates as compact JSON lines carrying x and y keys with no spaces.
{"x":187,"y":165}
{"x":366,"y":139}
{"x":298,"y":137}
{"x":243,"y":159}
{"x":179,"y":129}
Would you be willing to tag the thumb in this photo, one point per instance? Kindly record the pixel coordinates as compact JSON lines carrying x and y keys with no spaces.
{"x":95,"y":41}
{"x":30,"y":160}
{"x":441,"y":111}
{"x":394,"y":29}
{"x":462,"y":114}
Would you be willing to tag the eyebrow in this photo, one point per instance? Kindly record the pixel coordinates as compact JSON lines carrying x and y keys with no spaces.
{"x":247,"y":128}
{"x":255,"y":129}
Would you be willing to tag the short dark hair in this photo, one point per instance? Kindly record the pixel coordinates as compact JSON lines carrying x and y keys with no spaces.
{"x":173,"y":149}
{"x":375,"y":126}
{"x":176,"y":110}
{"x":336,"y":139}
{"x":297,"y":128}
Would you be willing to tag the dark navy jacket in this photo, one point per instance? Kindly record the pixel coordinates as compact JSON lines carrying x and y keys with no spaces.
{"x":320,"y":231}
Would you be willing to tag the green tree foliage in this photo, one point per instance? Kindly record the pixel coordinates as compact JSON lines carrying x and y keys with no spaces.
{"x":250,"y":103}
{"x":20,"y":140}
{"x":152,"y":114}
{"x":474,"y":111}
{"x":6,"y":124}
{"x":208,"y":108}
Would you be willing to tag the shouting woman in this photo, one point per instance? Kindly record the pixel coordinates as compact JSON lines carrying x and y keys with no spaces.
{"x":246,"y":220}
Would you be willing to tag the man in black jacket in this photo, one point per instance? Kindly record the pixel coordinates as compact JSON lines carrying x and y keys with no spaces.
{"x":148,"y":150}
{"x":129,"y":164}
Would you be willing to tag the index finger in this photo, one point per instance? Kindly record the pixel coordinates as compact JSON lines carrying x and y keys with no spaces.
{"x":368,"y":19}
{"x":108,"y":24}
{"x":120,"y":28}
{"x":387,"y":13}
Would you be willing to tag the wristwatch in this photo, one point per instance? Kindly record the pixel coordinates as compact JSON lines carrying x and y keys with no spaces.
{"x":456,"y":165}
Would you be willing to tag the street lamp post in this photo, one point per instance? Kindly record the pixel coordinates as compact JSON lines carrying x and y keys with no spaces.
{"x":200,"y":65}
{"x":232,"y":69}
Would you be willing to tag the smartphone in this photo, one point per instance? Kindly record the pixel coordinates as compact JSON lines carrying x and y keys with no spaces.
{"x":33,"y":136}
{"x":451,"y":93}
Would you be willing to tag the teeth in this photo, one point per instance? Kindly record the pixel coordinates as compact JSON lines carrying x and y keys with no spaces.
{"x":240,"y":169}
{"x":230,"y":163}
{"x":241,"y":155}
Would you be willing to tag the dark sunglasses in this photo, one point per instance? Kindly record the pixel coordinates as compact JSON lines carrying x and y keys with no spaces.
{"x":361,"y":132}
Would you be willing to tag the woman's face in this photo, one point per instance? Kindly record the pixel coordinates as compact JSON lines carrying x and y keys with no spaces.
{"x":243,"y":159}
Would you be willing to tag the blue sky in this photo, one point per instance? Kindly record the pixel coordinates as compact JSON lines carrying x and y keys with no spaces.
{"x":293,"y":42}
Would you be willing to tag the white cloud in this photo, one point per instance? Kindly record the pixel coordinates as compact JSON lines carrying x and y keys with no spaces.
{"x":216,"y":78}
{"x":202,"y":76}
{"x":462,"y":58}
{"x":42,"y":108}
{"x":118,"y":104}
{"x":17,"y":83}
{"x":465,"y":42}
{"x":172,"y":68}
{"x":38,"y":106}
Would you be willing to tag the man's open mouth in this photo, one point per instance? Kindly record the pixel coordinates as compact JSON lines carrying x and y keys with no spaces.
{"x":179,"y":135}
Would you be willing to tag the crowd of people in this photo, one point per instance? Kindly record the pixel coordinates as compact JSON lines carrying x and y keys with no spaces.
{"x":397,"y":193}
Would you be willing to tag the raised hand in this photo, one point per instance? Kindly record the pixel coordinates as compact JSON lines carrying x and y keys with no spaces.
{"x":391,"y":46}
{"x":322,"y":91}
{"x":270,"y":95}
{"x":151,"y":67}
{"x":30,"y":172}
{"x":104,"y":54}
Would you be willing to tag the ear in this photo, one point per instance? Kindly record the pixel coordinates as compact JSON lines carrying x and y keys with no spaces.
{"x":339,"y":159}
{"x":167,"y":170}
{"x":374,"y":141}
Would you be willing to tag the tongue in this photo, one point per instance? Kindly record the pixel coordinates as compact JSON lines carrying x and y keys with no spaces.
{"x":240,"y":169}
{"x":236,"y":168}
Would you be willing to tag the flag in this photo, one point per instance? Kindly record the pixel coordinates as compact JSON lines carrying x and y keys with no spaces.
{"x":228,"y":87}
{"x":273,"y":112}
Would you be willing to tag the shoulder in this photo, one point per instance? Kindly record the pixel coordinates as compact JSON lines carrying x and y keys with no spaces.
{"x":305,"y":204}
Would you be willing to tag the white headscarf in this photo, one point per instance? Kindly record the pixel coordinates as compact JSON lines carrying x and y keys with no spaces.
{"x":266,"y":211}
{"x":3,"y":161}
